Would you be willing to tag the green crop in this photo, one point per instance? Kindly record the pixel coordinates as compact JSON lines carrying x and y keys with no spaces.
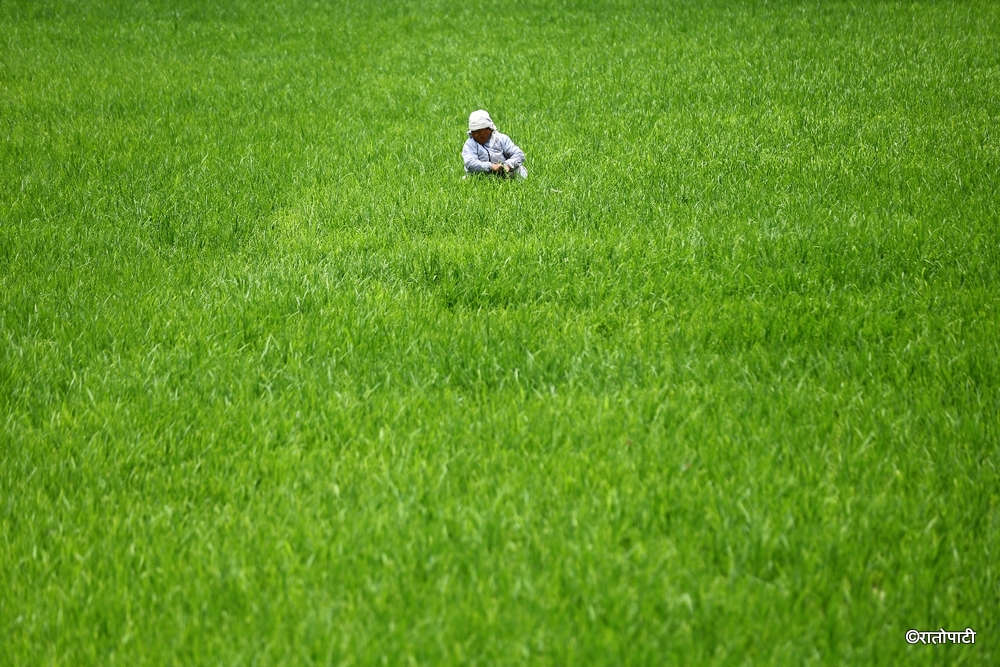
{"x":719,"y":384}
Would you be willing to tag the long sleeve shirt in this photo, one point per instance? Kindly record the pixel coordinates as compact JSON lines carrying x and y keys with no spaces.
{"x":498,"y":149}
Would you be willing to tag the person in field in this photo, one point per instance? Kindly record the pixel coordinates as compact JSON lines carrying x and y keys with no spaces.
{"x":489,"y":151}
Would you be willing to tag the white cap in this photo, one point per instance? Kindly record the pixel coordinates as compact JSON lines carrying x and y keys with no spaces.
{"x":479,"y":119}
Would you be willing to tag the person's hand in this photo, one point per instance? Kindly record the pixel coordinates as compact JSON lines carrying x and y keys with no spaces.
{"x":497,"y":167}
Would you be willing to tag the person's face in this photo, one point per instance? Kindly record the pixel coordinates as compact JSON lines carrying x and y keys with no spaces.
{"x":483,"y":135}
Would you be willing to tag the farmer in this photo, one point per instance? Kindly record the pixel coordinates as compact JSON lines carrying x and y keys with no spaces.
{"x":489,"y":151}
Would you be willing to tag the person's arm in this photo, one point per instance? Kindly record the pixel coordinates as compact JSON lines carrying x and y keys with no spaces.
{"x":472,"y":162}
{"x":513,"y":156}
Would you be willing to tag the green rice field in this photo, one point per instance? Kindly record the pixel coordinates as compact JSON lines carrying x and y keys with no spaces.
{"x":718,"y":384}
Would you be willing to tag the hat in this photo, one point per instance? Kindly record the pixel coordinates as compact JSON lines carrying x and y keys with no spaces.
{"x":480,"y":119}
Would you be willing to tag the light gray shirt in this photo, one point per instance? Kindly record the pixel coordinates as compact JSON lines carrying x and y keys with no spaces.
{"x":498,"y":149}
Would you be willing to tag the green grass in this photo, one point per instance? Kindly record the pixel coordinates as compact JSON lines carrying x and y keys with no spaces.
{"x":719,"y":384}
